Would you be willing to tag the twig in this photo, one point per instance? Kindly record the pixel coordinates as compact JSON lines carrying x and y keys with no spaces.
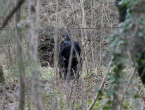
{"x":126,"y":89}
{"x":134,"y":99}
{"x":101,"y":86}
{"x":77,"y":28}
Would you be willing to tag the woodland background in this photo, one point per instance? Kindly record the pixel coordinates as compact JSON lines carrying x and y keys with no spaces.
{"x":30,"y":63}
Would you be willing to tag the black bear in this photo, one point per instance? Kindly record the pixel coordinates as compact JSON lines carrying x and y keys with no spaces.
{"x":69,"y":52}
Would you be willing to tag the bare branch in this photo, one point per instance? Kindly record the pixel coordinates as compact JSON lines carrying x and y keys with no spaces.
{"x":19,"y":4}
{"x":101,"y":86}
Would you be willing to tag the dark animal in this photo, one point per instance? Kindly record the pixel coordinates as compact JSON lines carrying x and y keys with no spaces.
{"x":138,"y":49}
{"x":66,"y":56}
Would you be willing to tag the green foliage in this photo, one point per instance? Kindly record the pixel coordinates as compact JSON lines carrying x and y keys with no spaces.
{"x":47,"y":73}
{"x":126,"y":104}
{"x":118,"y":47}
{"x":97,"y":104}
{"x":78,"y":106}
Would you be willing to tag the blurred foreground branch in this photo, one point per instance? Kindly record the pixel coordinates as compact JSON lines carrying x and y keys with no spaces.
{"x":33,"y":33}
{"x":19,"y":4}
{"x":20,"y":60}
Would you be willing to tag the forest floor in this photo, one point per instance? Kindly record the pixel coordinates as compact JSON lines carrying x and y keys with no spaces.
{"x":82,"y":90}
{"x":54,"y":92}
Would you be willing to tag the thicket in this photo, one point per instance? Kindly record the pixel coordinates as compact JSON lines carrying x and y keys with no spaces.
{"x":110,"y":53}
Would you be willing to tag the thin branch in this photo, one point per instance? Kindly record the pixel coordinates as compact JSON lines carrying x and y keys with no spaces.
{"x":134,"y":99}
{"x":101,"y":86}
{"x":19,"y":4}
{"x":126,"y":89}
{"x":52,"y":28}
